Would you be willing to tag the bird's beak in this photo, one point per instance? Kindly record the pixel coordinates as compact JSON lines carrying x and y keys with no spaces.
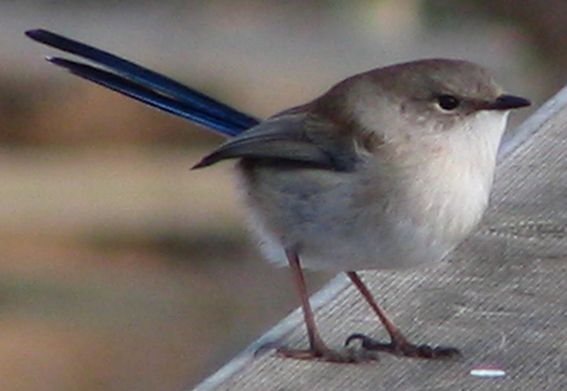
{"x":508,"y":102}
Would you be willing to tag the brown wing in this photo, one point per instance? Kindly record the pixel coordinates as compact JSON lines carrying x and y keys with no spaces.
{"x":291,"y":137}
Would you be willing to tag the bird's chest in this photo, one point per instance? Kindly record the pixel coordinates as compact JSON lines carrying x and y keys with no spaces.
{"x":379,"y":221}
{"x":444,"y":200}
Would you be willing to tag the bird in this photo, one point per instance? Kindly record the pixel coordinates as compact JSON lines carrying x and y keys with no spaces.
{"x":388,"y":169}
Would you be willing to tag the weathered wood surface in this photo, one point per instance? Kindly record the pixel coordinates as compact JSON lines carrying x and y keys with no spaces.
{"x":501,"y":297}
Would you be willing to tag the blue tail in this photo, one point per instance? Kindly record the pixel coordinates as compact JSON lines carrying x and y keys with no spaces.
{"x":146,"y":86}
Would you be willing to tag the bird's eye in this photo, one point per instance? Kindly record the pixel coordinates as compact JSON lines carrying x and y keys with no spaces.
{"x":448,"y":102}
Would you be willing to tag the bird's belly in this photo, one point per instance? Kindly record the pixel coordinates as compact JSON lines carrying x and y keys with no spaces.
{"x":334,"y":225}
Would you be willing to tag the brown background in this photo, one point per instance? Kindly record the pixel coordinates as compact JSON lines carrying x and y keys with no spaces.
{"x":122,"y":269}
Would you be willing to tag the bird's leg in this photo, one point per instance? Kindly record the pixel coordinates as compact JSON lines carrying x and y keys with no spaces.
{"x":398,"y":344}
{"x":317,"y":348}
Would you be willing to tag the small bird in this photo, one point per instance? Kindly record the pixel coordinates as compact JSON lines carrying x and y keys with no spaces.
{"x":388,"y":169}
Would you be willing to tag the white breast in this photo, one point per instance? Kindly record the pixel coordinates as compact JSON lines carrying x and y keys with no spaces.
{"x":335,"y":223}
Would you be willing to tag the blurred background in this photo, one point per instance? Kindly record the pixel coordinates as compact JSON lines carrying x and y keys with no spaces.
{"x":120,"y":268}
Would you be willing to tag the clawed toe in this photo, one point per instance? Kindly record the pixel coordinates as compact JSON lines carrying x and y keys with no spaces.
{"x":404,"y":348}
{"x":327,"y":355}
{"x":426,"y":351}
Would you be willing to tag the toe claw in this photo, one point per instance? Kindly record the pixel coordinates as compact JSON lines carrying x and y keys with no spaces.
{"x":354,"y":337}
{"x":348,"y":356}
{"x":369,"y":343}
{"x":446,"y":352}
{"x":404,"y":348}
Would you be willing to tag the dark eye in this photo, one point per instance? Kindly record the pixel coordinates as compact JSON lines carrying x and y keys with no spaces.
{"x":448,"y":102}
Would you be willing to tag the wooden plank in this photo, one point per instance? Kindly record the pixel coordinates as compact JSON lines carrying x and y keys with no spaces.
{"x":500,"y":297}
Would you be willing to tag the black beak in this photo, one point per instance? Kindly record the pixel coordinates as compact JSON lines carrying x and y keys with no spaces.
{"x":508,"y":102}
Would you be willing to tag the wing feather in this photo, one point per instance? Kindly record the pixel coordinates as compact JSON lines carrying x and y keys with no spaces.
{"x":291,"y":137}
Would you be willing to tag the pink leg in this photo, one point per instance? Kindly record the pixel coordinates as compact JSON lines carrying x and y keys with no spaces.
{"x":399,"y":344}
{"x":317,"y":348}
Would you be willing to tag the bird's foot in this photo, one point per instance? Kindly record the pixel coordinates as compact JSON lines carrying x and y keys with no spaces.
{"x":404,"y":348}
{"x":350,"y":356}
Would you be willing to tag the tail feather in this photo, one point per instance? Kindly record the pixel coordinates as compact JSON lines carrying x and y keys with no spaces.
{"x":146,"y":85}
